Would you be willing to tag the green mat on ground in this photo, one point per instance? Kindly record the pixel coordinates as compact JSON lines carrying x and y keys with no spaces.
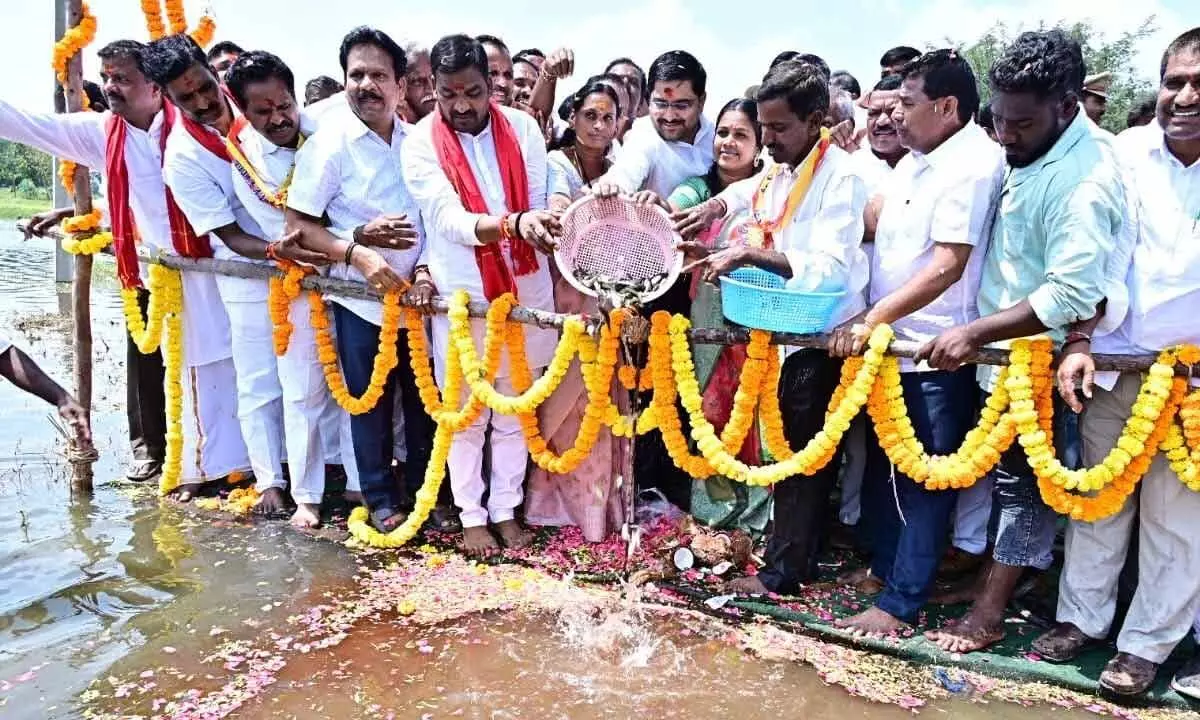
{"x":814,"y":611}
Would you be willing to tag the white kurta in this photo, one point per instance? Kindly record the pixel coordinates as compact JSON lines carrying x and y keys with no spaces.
{"x":825,"y":233}
{"x":312,"y":422}
{"x":202,"y":184}
{"x":451,"y":257}
{"x":1164,"y":292}
{"x":80,"y":137}
{"x":647,"y":162}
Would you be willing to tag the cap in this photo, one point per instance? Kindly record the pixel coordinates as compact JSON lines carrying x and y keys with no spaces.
{"x":1098,"y":84}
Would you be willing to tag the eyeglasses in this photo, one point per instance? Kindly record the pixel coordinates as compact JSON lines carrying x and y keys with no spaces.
{"x":677,"y":105}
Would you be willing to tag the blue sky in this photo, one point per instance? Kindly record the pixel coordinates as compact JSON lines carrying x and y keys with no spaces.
{"x":734,"y":40}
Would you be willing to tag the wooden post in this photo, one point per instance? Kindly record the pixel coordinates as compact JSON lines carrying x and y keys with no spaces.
{"x":81,"y":291}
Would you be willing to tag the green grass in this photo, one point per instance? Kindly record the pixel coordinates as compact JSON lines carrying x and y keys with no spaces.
{"x":13,"y":207}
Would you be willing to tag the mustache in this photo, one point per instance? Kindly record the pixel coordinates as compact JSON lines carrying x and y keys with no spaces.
{"x":368,"y":95}
{"x":285,"y":125}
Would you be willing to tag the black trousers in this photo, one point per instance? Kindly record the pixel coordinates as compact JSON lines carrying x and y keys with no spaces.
{"x":806,"y":384}
{"x":145,"y":402}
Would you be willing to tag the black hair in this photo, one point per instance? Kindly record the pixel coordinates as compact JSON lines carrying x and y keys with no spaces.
{"x":889,"y":82}
{"x":254,"y":67}
{"x":749,"y":108}
{"x":455,"y":53}
{"x":225,"y":47}
{"x":794,"y":56}
{"x":641,"y":74}
{"x":493,"y":41}
{"x":319,"y":88}
{"x":97,"y":102}
{"x":129,"y":49}
{"x":677,"y":66}
{"x":564,"y":107}
{"x":847,"y":82}
{"x":363,"y":35}
{"x":898,"y":56}
{"x":985,"y":119}
{"x":1047,"y":64}
{"x":169,"y":57}
{"x":575,"y":101}
{"x":530,"y":52}
{"x":527,"y":59}
{"x":1187,"y":42}
{"x":947,"y":73}
{"x":1142,"y":110}
{"x":801,"y":84}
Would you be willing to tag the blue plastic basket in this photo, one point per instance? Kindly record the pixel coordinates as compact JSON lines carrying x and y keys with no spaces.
{"x":757,"y":299}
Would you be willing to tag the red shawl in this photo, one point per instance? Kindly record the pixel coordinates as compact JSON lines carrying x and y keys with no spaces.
{"x":120,"y":214}
{"x":497,"y":279}
{"x":182,"y":236}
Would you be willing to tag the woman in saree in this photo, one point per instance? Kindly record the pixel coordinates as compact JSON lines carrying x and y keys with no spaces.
{"x":588,"y":496}
{"x":737,"y":143}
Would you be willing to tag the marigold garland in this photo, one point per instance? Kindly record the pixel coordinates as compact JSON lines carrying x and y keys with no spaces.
{"x":152,"y":11}
{"x":73,"y":41}
{"x":176,"y":18}
{"x":204,"y":31}
{"x":385,"y":360}
{"x":89,"y":245}
{"x":1182,"y":442}
{"x":147,"y":334}
{"x":168,"y":292}
{"x":281,"y":291}
{"x":82,"y":223}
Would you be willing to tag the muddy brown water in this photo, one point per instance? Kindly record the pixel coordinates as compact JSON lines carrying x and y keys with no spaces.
{"x":115,"y":586}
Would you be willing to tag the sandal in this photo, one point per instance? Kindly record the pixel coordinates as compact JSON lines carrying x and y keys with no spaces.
{"x":1063,"y":644}
{"x":445,"y":519}
{"x":1128,"y":675}
{"x":386,"y":519}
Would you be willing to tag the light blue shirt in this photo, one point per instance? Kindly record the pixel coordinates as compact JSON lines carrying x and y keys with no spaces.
{"x":1059,"y":221}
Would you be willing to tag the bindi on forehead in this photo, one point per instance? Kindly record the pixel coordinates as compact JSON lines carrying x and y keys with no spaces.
{"x":669,"y":93}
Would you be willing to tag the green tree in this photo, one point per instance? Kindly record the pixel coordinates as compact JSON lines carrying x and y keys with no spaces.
{"x":19,"y":162}
{"x":1100,"y":54}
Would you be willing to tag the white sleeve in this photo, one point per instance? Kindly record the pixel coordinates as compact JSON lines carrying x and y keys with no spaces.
{"x":738,"y":195}
{"x":558,"y":175}
{"x":198,"y":194}
{"x":441,"y":208}
{"x":78,"y":137}
{"x":317,"y":178}
{"x":632,"y":165}
{"x":834,"y":242}
{"x":534,"y":151}
{"x":962,"y":214}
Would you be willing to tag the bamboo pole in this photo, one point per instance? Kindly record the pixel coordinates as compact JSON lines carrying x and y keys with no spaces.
{"x":81,"y":290}
{"x":704,"y":336}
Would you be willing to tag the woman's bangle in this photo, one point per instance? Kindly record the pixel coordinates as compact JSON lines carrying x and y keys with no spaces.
{"x":349,"y":251}
{"x":272,"y":251}
{"x":517,"y":225}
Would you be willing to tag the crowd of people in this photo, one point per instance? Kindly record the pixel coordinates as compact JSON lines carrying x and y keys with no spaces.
{"x":960,"y":223}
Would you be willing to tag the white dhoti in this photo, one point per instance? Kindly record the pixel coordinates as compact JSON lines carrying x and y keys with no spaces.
{"x":307,"y":407}
{"x":260,"y":396}
{"x":1164,"y":512}
{"x":212,"y":440}
{"x":508,"y":455}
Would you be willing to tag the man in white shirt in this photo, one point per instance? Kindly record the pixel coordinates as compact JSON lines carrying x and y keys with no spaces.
{"x":350,"y":171}
{"x":675,"y":143}
{"x":478,"y":172}
{"x":1162,"y":166}
{"x":262,"y":145}
{"x":418,"y":83}
{"x":196,"y":168}
{"x":819,"y":242}
{"x":929,"y":248}
{"x":128,"y":144}
{"x":500,"y":69}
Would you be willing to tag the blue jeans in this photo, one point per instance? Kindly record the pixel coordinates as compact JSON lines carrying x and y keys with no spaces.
{"x":1024,"y":526}
{"x":911,"y":524}
{"x":358,"y":343}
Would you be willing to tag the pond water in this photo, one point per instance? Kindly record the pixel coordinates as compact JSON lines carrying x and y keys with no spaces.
{"x":115,"y":588}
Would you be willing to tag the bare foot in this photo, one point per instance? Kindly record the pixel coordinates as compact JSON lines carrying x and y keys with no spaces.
{"x":185,"y":493}
{"x":306,"y":516}
{"x":513,"y":535}
{"x":871,"y":623}
{"x":969,"y":634}
{"x":959,"y":593}
{"x":479,"y":542}
{"x":862,"y":581}
{"x":271,"y":502}
{"x":749,"y":585}
{"x":353,"y":497}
